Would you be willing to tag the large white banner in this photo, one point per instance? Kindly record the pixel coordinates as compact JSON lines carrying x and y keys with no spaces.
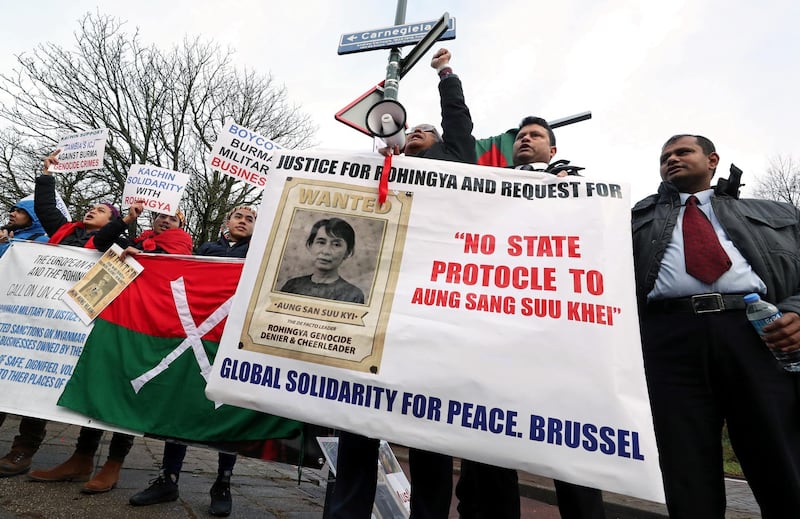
{"x":40,"y":337}
{"x":481,"y":312}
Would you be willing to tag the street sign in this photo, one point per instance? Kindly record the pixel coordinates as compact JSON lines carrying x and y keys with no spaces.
{"x":427,"y":41}
{"x":394,"y":36}
{"x":354,"y":115}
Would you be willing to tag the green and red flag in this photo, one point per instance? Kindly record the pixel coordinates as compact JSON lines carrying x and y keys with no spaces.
{"x":496,"y":151}
{"x":145,"y":363}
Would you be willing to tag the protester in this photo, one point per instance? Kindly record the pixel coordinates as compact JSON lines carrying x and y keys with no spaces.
{"x":697,"y":252}
{"x":167,"y":235}
{"x":485,"y":491}
{"x":234,"y":239}
{"x":23,"y":224}
{"x":240,"y":222}
{"x":60,"y":230}
{"x":80,"y":465}
{"x":330,"y":242}
{"x":357,"y":459}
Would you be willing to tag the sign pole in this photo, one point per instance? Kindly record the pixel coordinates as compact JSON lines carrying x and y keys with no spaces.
{"x":572,"y":119}
{"x":392,"y":83}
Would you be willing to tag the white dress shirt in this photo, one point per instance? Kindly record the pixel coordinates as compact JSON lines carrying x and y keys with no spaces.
{"x":673,"y":280}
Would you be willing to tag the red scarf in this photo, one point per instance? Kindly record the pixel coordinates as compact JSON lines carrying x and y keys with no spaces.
{"x":171,"y":241}
{"x":67,"y":229}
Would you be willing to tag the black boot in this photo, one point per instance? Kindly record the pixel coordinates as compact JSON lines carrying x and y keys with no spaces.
{"x":221,"y":500}
{"x":163,"y":489}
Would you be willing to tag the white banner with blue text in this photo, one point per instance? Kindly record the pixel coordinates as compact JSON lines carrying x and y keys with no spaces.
{"x":40,"y":337}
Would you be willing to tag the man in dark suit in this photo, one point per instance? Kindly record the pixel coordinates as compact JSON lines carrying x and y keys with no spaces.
{"x":704,"y":362}
{"x":489,"y":492}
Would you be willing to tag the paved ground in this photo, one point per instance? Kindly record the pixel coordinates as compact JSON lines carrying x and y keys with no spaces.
{"x":260,"y":489}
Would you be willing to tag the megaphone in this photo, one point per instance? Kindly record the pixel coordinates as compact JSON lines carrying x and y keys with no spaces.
{"x":387,"y":120}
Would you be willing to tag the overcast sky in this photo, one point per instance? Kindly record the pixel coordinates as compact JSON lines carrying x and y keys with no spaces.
{"x":727,"y":69}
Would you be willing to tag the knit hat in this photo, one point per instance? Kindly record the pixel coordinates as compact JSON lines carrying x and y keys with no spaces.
{"x":180,"y":216}
{"x":112,"y":208}
{"x":245,"y":207}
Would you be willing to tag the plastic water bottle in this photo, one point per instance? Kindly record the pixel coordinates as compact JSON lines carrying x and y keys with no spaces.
{"x":761,"y":313}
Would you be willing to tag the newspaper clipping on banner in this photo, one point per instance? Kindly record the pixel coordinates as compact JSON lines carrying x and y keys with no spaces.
{"x":481,"y":312}
{"x":101,"y":284}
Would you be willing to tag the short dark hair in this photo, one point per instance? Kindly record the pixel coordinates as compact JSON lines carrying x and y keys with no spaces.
{"x":532,"y":119}
{"x":705,"y":143}
{"x":336,"y":228}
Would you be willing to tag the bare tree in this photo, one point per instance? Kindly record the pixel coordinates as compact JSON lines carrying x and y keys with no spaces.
{"x":16,"y":167}
{"x":781,"y":181}
{"x":161,"y":107}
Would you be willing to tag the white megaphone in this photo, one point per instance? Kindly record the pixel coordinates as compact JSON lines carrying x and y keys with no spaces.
{"x":387,"y":120}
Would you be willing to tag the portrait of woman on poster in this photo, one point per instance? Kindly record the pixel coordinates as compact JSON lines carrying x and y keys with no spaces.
{"x":330,"y":242}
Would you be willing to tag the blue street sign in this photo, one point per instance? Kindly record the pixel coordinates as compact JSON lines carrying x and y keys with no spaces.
{"x":394,"y":36}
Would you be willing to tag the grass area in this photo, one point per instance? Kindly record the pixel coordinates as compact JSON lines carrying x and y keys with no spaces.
{"x":729,"y":462}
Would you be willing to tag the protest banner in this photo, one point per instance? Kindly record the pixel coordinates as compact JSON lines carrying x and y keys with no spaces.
{"x":101,"y":284}
{"x":242,"y":154}
{"x":500,"y":304}
{"x":81,"y":151}
{"x":41,"y":339}
{"x":159,"y":189}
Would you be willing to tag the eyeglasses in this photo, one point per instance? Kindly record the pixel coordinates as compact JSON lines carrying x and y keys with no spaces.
{"x":423,"y":128}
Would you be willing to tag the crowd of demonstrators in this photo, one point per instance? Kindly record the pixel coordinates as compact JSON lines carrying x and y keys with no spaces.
{"x":166,"y":236}
{"x":431,"y":474}
{"x":100,"y":228}
{"x":80,"y":465}
{"x":234,"y":242}
{"x":704,"y":363}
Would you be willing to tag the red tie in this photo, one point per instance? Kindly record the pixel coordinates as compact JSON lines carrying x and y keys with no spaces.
{"x":706,"y":260}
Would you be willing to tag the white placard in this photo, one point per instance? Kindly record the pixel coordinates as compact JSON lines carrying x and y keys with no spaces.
{"x":81,"y":151}
{"x":242,"y":154}
{"x":159,"y":189}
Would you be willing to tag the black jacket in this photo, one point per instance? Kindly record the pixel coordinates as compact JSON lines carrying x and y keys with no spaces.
{"x":44,"y":203}
{"x":767,"y":233}
{"x":222,"y":248}
{"x":458,"y":144}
